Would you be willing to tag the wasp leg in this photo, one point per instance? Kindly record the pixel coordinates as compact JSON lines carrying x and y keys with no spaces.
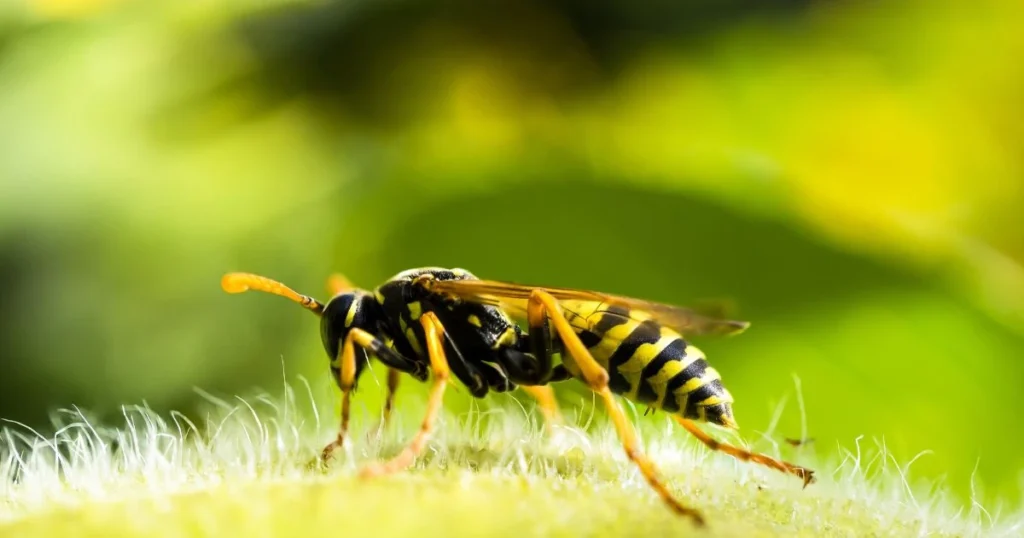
{"x":496,"y":378}
{"x":389,"y":401}
{"x":559,"y":373}
{"x":338,"y":284}
{"x":434,"y":332}
{"x":745,"y":455}
{"x":547,"y":403}
{"x":347,"y":380}
{"x":470,"y":375}
{"x":528,"y":370}
{"x":542,"y":305}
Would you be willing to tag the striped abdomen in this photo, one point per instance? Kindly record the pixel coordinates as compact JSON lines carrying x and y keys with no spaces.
{"x":650,"y":364}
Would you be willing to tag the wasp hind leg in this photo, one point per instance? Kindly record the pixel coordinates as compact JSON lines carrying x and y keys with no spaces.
{"x":542,"y":308}
{"x":434,"y":331}
{"x":745,"y":455}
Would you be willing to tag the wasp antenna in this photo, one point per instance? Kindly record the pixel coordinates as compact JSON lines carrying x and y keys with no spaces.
{"x":241,"y":282}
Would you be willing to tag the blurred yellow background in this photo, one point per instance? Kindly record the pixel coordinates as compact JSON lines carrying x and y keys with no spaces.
{"x":849,"y":174}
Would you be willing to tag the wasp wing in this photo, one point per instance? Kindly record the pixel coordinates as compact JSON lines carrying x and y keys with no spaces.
{"x":514,"y":297}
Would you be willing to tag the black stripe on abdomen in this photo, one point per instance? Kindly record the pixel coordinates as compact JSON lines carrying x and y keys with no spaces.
{"x":589,"y":339}
{"x":705,"y":391}
{"x":647,"y":332}
{"x":694,"y":370}
{"x":674,"y":351}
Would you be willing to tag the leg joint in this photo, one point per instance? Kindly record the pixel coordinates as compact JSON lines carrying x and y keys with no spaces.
{"x":600,"y":379}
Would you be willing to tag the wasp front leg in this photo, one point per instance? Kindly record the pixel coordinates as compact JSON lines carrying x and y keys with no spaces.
{"x":434,"y":332}
{"x":543,"y":308}
{"x":345,"y":365}
{"x":346,"y":368}
{"x":338,"y":283}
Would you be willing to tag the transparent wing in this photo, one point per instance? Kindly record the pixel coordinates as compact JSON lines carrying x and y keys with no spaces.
{"x":514,"y":297}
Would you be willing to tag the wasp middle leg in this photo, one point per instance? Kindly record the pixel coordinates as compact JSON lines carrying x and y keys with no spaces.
{"x":543,"y":308}
{"x":394,"y":376}
{"x":434,"y":331}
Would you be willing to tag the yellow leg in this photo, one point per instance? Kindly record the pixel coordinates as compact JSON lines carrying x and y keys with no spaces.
{"x":346,"y":380}
{"x":745,"y":455}
{"x":542,"y":303}
{"x":547,"y":403}
{"x":433,"y":330}
{"x":337,"y":284}
{"x":389,"y":401}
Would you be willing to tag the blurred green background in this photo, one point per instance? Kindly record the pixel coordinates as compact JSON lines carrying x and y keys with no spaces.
{"x":848,"y":173}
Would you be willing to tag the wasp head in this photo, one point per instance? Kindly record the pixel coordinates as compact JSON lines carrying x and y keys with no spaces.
{"x":344,"y":312}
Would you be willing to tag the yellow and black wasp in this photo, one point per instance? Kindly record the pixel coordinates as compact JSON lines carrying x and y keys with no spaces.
{"x":424,"y":318}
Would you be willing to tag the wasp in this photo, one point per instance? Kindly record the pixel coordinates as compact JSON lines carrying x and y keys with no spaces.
{"x":616,"y":345}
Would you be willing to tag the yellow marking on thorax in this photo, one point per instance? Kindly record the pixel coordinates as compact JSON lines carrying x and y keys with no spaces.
{"x":415,"y":310}
{"x":475,"y":320}
{"x":379,"y":296}
{"x":410,"y":335}
{"x":507,"y":338}
{"x":350,"y":316}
